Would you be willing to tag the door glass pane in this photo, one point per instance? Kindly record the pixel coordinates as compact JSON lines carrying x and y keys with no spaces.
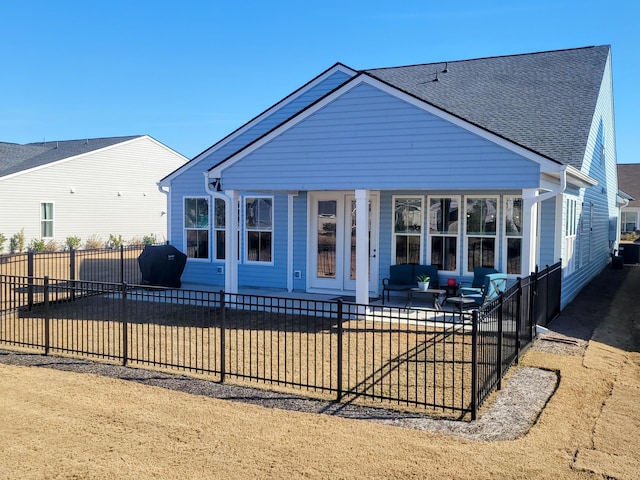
{"x":352,"y":273}
{"x":326,"y":220}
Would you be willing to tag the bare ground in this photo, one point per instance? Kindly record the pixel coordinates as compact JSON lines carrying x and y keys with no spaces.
{"x":580,"y":385}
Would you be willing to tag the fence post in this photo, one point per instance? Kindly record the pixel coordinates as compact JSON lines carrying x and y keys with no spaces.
{"x":72,"y":271}
{"x":474,"y":364}
{"x":339,"y":352}
{"x":121,"y":263}
{"x":30,"y":270}
{"x":533,"y":292}
{"x":47,"y":328}
{"x":518,"y":319}
{"x":125,"y":326}
{"x":499,"y":347}
{"x":223,"y":335}
{"x":547,"y":297}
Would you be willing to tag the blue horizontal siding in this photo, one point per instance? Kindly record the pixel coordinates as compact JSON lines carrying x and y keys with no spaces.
{"x":369,"y":139}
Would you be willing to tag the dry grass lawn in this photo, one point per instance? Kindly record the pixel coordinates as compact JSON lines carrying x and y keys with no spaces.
{"x":56,"y":424}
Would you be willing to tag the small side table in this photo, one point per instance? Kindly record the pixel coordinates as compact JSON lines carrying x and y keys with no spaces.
{"x":461,"y":303}
{"x":434,"y":293}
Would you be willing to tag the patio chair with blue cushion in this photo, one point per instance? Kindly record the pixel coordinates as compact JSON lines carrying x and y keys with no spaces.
{"x":494,"y":285}
{"x":477,"y":284}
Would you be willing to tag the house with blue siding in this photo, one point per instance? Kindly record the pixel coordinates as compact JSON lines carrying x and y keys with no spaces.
{"x":505,"y":161}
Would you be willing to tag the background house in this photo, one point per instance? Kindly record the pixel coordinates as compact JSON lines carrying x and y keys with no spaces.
{"x":90,"y":188}
{"x":629,"y":182}
{"x":506,"y":162}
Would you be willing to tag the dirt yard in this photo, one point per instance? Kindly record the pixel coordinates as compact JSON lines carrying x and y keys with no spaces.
{"x":56,"y":424}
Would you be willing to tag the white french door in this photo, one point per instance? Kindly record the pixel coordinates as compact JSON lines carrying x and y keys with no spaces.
{"x":332,"y":245}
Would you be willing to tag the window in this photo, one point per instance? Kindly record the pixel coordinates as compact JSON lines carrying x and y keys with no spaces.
{"x":46,"y":220}
{"x":196,"y":225}
{"x":218,"y":227}
{"x":259,"y":229}
{"x":481,"y":216}
{"x":444,"y":229}
{"x":513,"y":234}
{"x":629,"y":222}
{"x":407,"y":229}
{"x":570,"y":232}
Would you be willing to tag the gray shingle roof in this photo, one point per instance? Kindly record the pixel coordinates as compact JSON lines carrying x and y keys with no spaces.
{"x":16,"y":158}
{"x":629,"y":181}
{"x":542,"y":101}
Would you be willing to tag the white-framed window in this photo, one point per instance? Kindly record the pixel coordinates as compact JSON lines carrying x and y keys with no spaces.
{"x":196,"y":227}
{"x":219,"y":224}
{"x":258,"y":218}
{"x":46,"y":220}
{"x":481,"y":219}
{"x":407,"y":229}
{"x":513,"y":234}
{"x":570,"y":234}
{"x":444,"y":232}
{"x":629,"y":221}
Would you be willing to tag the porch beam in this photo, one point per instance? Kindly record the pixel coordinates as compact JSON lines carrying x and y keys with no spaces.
{"x":529,"y":230}
{"x":362,"y":246}
{"x":231,"y":247}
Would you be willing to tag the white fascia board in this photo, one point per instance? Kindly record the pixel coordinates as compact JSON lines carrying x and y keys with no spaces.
{"x":288,"y":99}
{"x":546,"y":164}
{"x":576,"y":178}
{"x":76,"y":157}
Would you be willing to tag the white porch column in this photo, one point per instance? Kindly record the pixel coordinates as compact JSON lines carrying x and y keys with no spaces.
{"x":231,"y":247}
{"x":529,"y":230}
{"x":362,"y":247}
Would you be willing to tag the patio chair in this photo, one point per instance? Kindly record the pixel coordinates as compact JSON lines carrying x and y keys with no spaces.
{"x":494,"y":285}
{"x":477,"y":284}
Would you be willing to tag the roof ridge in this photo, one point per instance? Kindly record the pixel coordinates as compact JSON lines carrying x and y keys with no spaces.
{"x":484,"y":58}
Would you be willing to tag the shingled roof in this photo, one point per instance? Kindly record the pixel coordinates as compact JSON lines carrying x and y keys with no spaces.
{"x":629,"y":181}
{"x":15,"y":157}
{"x":542,"y":101}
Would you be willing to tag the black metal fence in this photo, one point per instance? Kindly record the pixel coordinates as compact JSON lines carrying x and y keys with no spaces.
{"x":115,"y":265}
{"x":439,"y":360}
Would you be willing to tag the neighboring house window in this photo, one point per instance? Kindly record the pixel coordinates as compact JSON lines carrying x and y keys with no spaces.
{"x":570,"y":234}
{"x":196,"y":225}
{"x":407,"y":229}
{"x":444,"y":230}
{"x":481,"y":219}
{"x":629,"y":221}
{"x":46,"y":220}
{"x":219,"y":227}
{"x":259,"y":229}
{"x":513,"y":234}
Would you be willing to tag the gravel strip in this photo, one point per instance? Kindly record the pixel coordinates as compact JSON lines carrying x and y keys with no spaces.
{"x":515,"y":410}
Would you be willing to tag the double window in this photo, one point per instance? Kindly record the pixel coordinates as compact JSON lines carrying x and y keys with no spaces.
{"x":513,"y":234}
{"x":407,"y":229}
{"x":480,"y":234}
{"x":444,"y":230}
{"x":258,"y":229}
{"x":46,"y":220}
{"x":196,"y":226}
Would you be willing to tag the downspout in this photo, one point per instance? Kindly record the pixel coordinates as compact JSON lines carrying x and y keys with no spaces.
{"x":230,"y":285}
{"x":165,"y":190}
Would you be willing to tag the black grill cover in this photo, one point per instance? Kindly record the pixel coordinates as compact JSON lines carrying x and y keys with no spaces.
{"x":162,"y":265}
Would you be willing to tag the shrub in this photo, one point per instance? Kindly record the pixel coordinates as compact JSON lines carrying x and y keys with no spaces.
{"x":149,"y":239}
{"x":115,"y":242}
{"x":37,"y":245}
{"x":630,"y":237}
{"x":2,"y":240}
{"x":73,"y":243}
{"x":16,"y":243}
{"x":94,"y":242}
{"x":52,"y":246}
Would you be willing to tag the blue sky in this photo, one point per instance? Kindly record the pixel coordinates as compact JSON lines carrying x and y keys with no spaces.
{"x":190,"y":72}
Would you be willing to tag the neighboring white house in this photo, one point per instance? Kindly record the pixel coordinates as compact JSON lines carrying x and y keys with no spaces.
{"x":85,"y":188}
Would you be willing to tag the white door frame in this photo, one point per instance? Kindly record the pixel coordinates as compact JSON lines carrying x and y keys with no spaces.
{"x":340,"y":282}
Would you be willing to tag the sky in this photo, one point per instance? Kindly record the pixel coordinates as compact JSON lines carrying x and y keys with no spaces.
{"x":190,"y":72}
